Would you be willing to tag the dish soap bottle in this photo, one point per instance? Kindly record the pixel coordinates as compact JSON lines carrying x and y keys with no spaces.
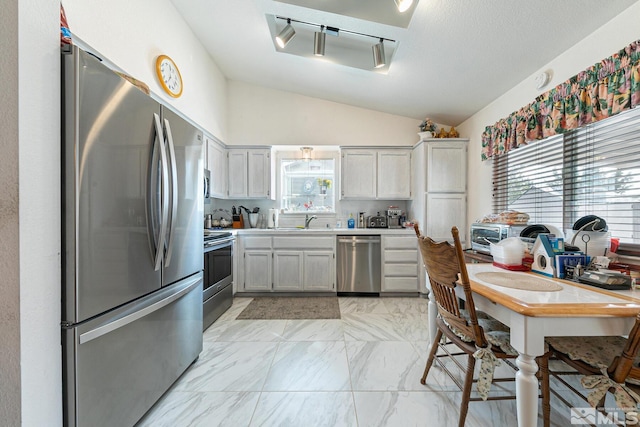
{"x":351,"y":223}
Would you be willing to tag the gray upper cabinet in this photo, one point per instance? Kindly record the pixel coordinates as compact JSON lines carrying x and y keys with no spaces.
{"x":216,"y":162}
{"x":447,"y":166}
{"x":376,"y":173}
{"x":394,"y":174}
{"x":250,"y":173}
{"x":358,"y":174}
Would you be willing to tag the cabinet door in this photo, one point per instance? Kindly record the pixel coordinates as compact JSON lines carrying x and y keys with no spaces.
{"x":443,"y":212}
{"x":358,"y":174}
{"x":287,"y":270}
{"x":447,"y":167}
{"x":259,"y":169}
{"x":217,"y":164}
{"x":257,"y":270}
{"x":394,"y":174}
{"x":237,"y":173}
{"x":319,"y":271}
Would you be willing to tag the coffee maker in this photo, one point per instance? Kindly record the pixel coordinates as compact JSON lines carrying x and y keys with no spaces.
{"x":393,"y":217}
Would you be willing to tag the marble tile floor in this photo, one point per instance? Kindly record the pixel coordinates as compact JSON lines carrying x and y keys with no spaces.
{"x":362,"y":370}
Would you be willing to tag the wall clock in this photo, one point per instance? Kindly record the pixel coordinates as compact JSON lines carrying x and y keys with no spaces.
{"x":169,"y":76}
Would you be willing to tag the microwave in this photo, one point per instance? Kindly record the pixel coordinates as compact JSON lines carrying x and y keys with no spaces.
{"x":482,"y":233}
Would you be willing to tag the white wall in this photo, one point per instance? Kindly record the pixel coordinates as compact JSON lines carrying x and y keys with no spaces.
{"x":39,"y":212}
{"x":261,"y":116}
{"x":603,"y":42}
{"x":131,"y":34}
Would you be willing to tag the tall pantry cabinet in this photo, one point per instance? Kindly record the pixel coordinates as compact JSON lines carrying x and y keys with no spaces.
{"x":440,"y":179}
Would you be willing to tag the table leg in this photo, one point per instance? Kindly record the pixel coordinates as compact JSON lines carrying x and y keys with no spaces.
{"x":527,"y":391}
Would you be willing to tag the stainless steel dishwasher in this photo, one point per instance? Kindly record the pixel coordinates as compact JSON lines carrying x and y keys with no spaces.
{"x":358,"y":264}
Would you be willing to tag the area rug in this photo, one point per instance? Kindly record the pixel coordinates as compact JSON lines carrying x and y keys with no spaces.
{"x":292,"y":308}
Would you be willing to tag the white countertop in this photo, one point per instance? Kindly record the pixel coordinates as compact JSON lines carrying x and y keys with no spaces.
{"x":325,"y":231}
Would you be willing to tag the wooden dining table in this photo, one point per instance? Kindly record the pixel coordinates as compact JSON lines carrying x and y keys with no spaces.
{"x":536,"y":312}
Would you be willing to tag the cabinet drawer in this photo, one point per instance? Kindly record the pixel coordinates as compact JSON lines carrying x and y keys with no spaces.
{"x":400,"y":242}
{"x":400,"y":270}
{"x":400,"y":284}
{"x":256,"y":242}
{"x":304,"y":242}
{"x":401,"y":255}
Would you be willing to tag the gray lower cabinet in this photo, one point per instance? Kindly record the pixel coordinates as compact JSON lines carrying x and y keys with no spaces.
{"x":288,"y":267}
{"x":287,"y":263}
{"x":400,"y":264}
{"x":257,"y":270}
{"x":319,"y":271}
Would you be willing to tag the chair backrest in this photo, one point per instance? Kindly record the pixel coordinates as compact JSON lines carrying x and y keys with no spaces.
{"x":623,"y":365}
{"x":446,"y":269}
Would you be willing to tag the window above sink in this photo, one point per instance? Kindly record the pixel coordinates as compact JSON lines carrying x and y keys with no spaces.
{"x":307,"y":186}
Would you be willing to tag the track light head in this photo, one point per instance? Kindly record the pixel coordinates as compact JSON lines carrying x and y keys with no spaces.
{"x":285,"y":35}
{"x":379,"y":60}
{"x":403,"y":5}
{"x":318,"y":42}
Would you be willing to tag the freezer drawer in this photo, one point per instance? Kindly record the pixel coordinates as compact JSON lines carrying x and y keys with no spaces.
{"x":119,"y":364}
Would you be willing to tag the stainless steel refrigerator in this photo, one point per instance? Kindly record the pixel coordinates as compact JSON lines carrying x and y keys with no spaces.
{"x":132,"y":245}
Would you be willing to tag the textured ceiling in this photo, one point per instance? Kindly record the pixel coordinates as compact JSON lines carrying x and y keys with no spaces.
{"x":454,"y":58}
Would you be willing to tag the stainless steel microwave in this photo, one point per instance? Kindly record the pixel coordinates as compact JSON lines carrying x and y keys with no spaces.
{"x":484,"y":232}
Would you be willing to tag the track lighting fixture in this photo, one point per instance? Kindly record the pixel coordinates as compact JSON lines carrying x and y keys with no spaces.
{"x":378,"y":54}
{"x":285,"y":35}
{"x":403,"y":5}
{"x":318,"y":42}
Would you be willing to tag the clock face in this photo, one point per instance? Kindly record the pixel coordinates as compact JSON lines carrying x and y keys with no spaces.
{"x":169,"y":76}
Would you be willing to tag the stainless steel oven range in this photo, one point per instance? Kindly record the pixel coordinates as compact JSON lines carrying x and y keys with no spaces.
{"x":217,"y":294}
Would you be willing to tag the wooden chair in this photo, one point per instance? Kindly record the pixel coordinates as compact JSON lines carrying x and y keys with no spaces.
{"x":608,"y":364}
{"x":474,"y":333}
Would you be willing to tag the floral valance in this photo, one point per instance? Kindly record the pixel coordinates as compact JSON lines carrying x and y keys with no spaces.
{"x":603,"y":90}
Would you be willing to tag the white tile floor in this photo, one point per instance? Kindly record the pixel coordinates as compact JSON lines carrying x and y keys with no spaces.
{"x":362,"y":370}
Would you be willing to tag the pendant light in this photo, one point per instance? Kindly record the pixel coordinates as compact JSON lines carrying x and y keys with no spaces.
{"x":285,"y":35}
{"x":403,"y":5}
{"x":306,"y":153}
{"x":378,"y":55}
{"x":318,"y":42}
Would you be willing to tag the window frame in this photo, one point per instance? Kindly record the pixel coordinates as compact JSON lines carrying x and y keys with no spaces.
{"x":322,"y":153}
{"x":590,"y":162}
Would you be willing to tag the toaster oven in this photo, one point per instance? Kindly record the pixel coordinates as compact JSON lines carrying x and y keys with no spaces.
{"x":377,"y":222}
{"x":483,"y":233}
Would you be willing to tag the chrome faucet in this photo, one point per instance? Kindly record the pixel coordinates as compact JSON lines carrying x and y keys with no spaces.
{"x":308,"y":219}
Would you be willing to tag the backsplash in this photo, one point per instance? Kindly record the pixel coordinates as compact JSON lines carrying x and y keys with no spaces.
{"x":222,"y":208}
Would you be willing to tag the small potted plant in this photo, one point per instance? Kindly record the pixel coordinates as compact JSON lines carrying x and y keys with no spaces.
{"x":324,"y":185}
{"x":427,"y":129}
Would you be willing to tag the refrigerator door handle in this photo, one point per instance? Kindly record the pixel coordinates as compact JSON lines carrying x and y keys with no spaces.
{"x":152,"y":189}
{"x":163,"y":209}
{"x":174,"y":192}
{"x":125,"y":320}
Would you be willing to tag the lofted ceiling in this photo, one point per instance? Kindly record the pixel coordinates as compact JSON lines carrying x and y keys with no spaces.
{"x":448,"y":60}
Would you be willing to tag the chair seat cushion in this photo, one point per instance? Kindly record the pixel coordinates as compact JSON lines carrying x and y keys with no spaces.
{"x":597,"y":352}
{"x":495,"y":332}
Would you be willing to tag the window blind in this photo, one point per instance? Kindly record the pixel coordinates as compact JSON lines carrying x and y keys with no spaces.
{"x":594,"y":170}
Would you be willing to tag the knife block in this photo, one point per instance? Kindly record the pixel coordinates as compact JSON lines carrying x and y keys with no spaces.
{"x":238,"y":222}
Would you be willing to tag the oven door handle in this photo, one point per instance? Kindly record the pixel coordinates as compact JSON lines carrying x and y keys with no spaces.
{"x":218,"y":244}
